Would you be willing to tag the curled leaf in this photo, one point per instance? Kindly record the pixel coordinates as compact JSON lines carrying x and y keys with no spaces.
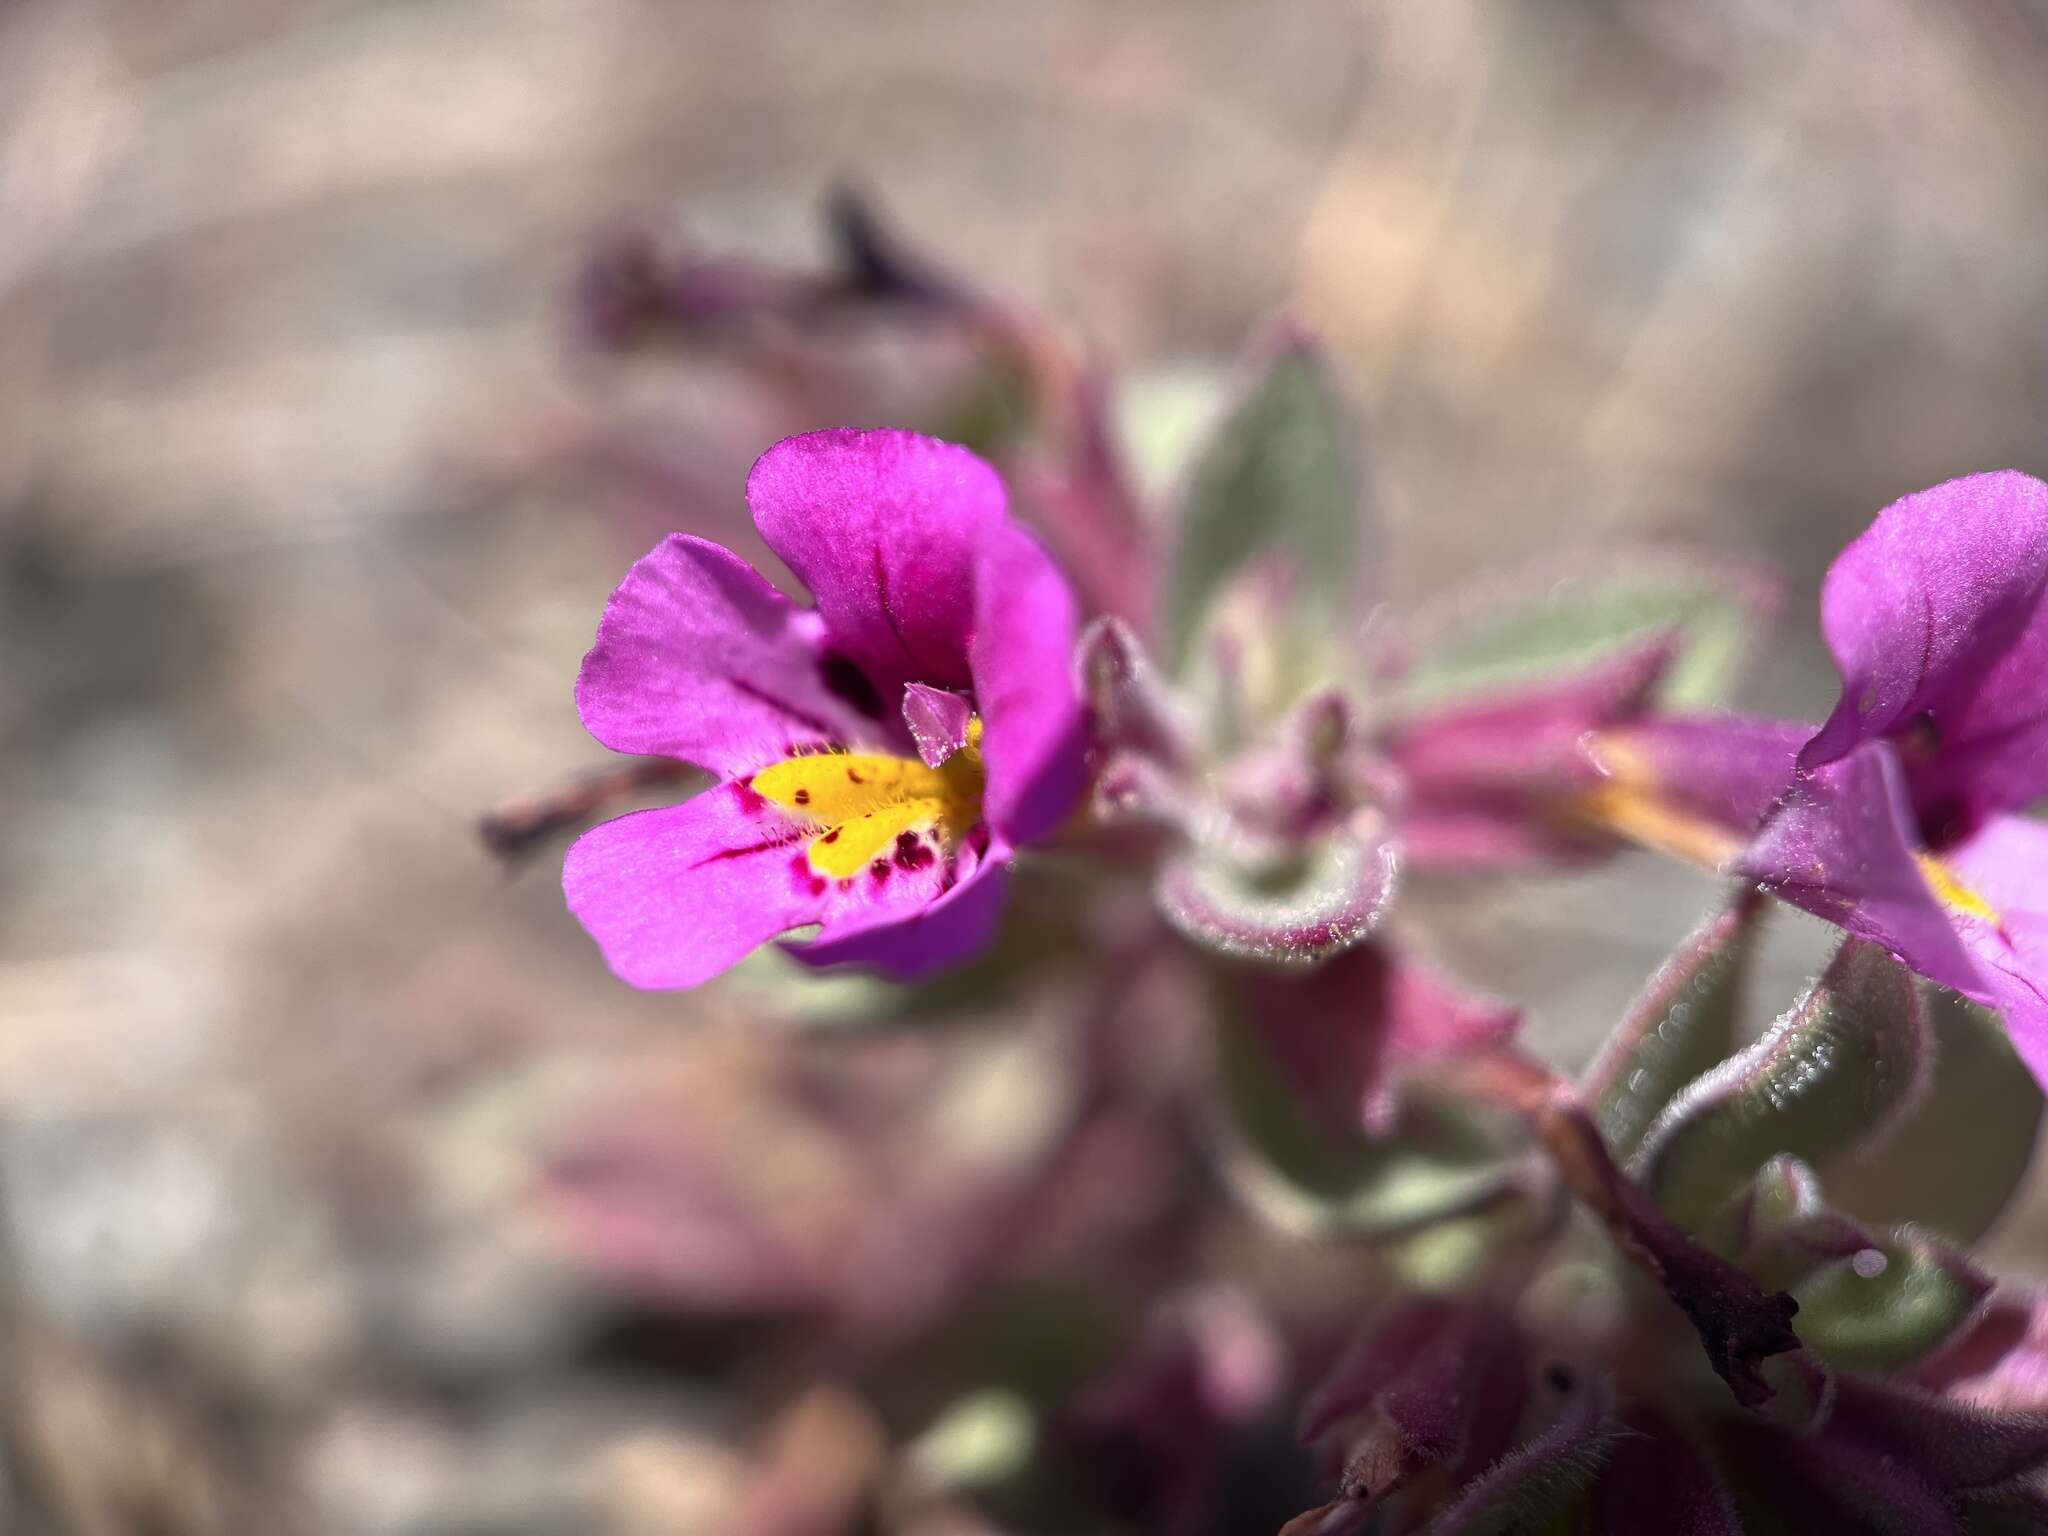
{"x":1283,"y":906}
{"x":1827,"y":1082}
{"x":1891,"y":1303}
{"x":1786,"y":1229}
{"x":1680,"y":1026}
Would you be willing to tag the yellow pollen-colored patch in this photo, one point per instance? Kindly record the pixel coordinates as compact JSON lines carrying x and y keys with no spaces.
{"x":1951,"y":892}
{"x":1651,"y":823}
{"x":1620,"y":760}
{"x":862,"y":803}
{"x":1627,"y":804}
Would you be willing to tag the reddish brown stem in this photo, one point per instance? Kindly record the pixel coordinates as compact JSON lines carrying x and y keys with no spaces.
{"x":514,"y":830}
{"x":1739,"y":1324}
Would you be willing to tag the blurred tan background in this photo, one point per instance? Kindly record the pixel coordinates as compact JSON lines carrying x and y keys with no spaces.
{"x":299,"y":547}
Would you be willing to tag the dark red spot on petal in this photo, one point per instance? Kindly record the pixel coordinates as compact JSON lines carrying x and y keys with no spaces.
{"x":830,"y":837}
{"x":911,"y":853}
{"x":802,"y":797}
{"x":881,"y":869}
{"x":807,"y":880}
{"x":854,"y":778}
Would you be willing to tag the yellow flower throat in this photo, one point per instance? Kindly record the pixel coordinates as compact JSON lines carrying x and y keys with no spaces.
{"x":869,"y":807}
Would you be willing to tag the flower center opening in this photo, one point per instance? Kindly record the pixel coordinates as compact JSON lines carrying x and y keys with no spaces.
{"x":871,"y":807}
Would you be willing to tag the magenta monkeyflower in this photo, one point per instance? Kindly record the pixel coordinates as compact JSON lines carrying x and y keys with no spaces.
{"x":1900,"y":826}
{"x":1896,"y":818}
{"x":881,"y":755}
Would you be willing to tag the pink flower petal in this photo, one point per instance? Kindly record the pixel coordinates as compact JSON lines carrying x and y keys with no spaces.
{"x":698,"y":658}
{"x":1992,"y":749}
{"x":1843,"y":846}
{"x":884,"y":529}
{"x":2001,"y":1362}
{"x":1022,"y":655}
{"x":2004,"y":864}
{"x":1921,"y":609}
{"x":677,"y":895}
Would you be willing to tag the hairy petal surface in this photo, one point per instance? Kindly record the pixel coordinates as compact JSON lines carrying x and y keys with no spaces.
{"x":1991,"y":752}
{"x":1433,"y":1385}
{"x":1538,"y":1480}
{"x":1956,"y":1446}
{"x":699,"y":658}
{"x":884,"y":528}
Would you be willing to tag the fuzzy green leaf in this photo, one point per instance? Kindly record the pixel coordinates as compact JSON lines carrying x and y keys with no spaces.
{"x":1827,"y":1082}
{"x":1278,"y":481}
{"x":1890,"y":1304}
{"x":1682,"y":1024}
